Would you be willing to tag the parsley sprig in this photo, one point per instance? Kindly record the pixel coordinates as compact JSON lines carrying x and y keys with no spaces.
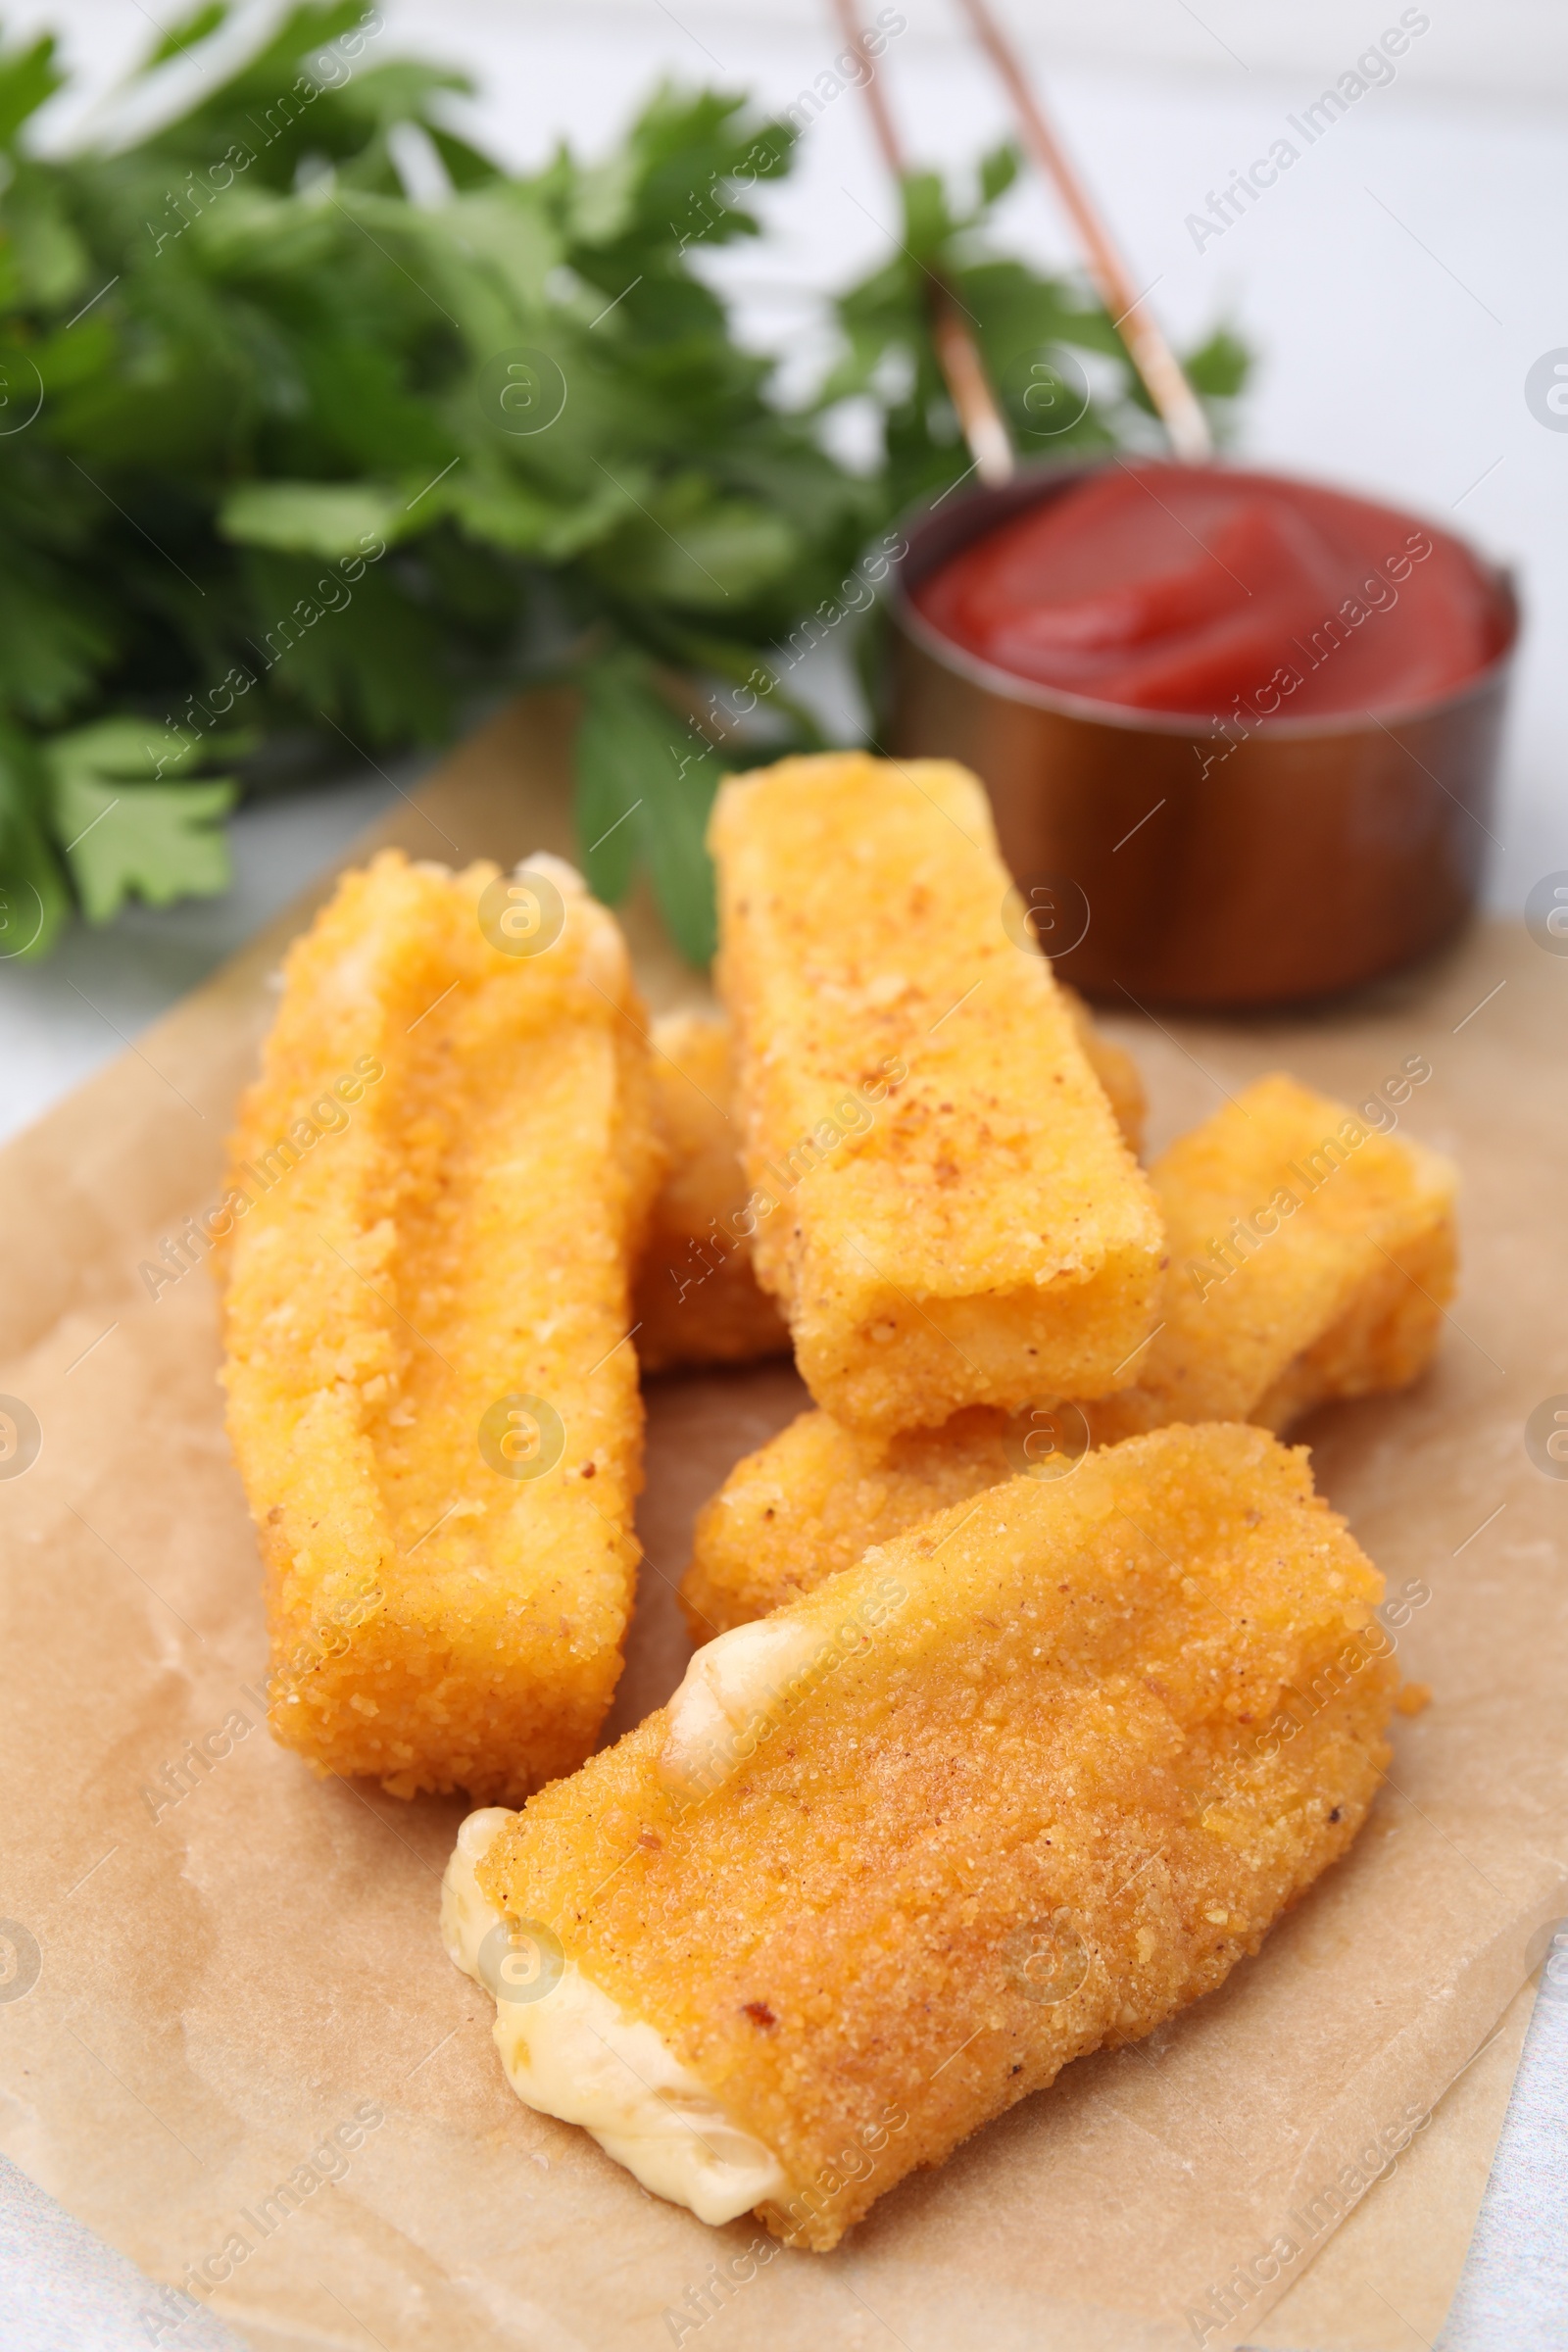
{"x":284,"y":446}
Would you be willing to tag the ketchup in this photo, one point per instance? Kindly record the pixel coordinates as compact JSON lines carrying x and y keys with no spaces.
{"x":1206,"y":592}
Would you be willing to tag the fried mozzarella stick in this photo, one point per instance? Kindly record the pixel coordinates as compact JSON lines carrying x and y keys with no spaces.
{"x":698,"y":1300}
{"x":1311,"y":1258}
{"x":1113,"y":1066}
{"x":941,"y":1200}
{"x":1018,"y":1786}
{"x":437,"y":1424}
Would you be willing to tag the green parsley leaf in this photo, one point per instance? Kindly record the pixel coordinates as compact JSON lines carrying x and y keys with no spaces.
{"x":33,"y":898}
{"x":311,"y":519}
{"x":263,"y":454}
{"x":126,"y":836}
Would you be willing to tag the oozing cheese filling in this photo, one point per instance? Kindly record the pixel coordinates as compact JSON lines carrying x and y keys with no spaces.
{"x":733,"y":1691}
{"x":568,"y":2051}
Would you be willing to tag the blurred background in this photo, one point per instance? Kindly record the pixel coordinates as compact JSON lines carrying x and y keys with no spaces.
{"x":1398,"y":286}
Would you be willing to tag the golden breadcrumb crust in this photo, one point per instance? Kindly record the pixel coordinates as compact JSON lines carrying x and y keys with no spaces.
{"x":1064,"y":1757}
{"x":1343,"y":1297}
{"x":457,"y":1235}
{"x":942,"y":1200}
{"x":1114,"y":1067}
{"x":697,"y":1298}
{"x":1310,"y":1256}
{"x":817,"y":1497}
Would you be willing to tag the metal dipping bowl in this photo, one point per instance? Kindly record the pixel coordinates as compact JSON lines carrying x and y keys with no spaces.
{"x":1193,"y":863}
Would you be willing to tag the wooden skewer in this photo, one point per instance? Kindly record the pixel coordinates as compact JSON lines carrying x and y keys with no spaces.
{"x":1178,"y":405}
{"x":985,"y":428}
{"x":983,"y":425}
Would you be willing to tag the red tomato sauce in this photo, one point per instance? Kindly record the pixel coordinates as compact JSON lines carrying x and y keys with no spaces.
{"x":1200,"y":591}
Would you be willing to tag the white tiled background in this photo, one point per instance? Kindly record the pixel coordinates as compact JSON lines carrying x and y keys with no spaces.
{"x":1397,"y":284}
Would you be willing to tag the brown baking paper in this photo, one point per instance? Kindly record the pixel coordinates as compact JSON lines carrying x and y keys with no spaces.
{"x":240,"y":1984}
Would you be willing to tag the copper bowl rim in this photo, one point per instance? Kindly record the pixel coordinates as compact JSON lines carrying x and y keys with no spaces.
{"x":1124,"y":719}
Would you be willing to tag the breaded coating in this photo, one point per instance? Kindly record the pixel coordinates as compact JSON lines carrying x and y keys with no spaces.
{"x":1342,"y":1296}
{"x":1020,"y":1786}
{"x":943,"y":1202}
{"x":1115,"y":1069}
{"x":1310,"y":1257}
{"x":439,"y":1432}
{"x":697,"y":1299}
{"x":815,"y":1500}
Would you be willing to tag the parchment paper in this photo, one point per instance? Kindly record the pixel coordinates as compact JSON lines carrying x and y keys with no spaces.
{"x":217,"y":1960}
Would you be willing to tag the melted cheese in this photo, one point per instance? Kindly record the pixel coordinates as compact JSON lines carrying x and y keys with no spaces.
{"x":734,"y":1691}
{"x":570,"y":2052}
